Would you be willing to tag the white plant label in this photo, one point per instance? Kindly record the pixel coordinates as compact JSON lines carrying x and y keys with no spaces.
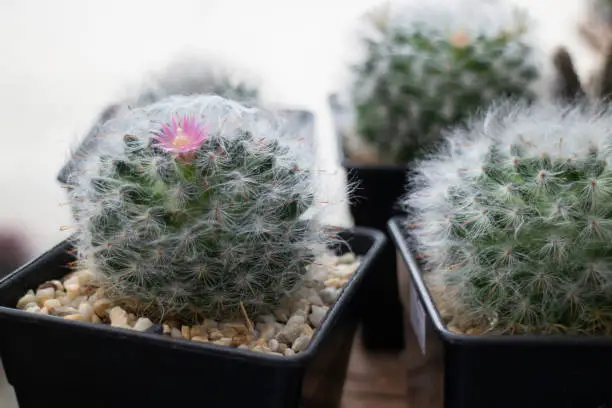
{"x":417,"y":318}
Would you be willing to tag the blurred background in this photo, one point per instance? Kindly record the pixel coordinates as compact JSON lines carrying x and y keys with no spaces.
{"x":64,"y":61}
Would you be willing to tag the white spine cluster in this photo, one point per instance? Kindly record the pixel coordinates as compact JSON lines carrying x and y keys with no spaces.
{"x":513,"y":216}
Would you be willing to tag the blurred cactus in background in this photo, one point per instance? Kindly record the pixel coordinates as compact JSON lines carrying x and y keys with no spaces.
{"x":186,"y":75}
{"x":513,"y":220}
{"x":196,"y":75}
{"x":430,"y":66}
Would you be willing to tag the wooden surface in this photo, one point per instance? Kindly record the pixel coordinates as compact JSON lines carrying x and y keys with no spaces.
{"x":375,"y":380}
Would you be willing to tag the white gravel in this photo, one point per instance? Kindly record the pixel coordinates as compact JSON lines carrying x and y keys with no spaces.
{"x":286,"y":332}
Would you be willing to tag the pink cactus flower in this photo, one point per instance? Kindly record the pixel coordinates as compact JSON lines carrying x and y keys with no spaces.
{"x":182,"y":139}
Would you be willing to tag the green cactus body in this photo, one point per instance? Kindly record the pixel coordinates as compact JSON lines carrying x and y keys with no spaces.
{"x":515,"y":220}
{"x":425,"y":72}
{"x":209,"y":232}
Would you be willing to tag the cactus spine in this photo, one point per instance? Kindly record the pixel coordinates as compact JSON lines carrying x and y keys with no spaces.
{"x":197,"y":206}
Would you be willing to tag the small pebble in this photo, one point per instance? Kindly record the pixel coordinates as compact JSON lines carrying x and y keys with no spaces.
{"x":329,"y":295}
{"x":131,"y":319}
{"x":228,"y":332}
{"x":86,"y":310}
{"x":335,"y":282}
{"x":315,"y":299}
{"x":345,"y":271}
{"x":45,"y":293}
{"x":307,"y":330}
{"x":173,"y":324}
{"x":292,"y":330}
{"x":74,"y":317}
{"x":32,"y":308}
{"x":186,"y":332}
{"x":239,"y":327}
{"x":76,"y":302}
{"x":29,"y":297}
{"x":317,"y":315}
{"x":72,"y":287}
{"x":98,"y":294}
{"x":52,"y":303}
{"x":348,"y":258}
{"x":223,"y":342}
{"x":282,"y":314}
{"x":300,"y":308}
{"x":240,"y":339}
{"x":55,"y":284}
{"x":118,"y":317}
{"x":198,"y":331}
{"x":142,"y":324}
{"x":258,"y":348}
{"x":85,"y":276}
{"x":215,"y":335}
{"x":65,"y":300}
{"x":287,"y":331}
{"x":296,"y":320}
{"x":63,"y":311}
{"x":267,"y":331}
{"x":300,"y":343}
{"x":209,"y":324}
{"x":100,"y":306}
{"x":273,"y":345}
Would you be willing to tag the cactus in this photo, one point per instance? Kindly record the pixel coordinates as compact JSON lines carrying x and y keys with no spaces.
{"x":195,"y":75}
{"x":513,"y":220}
{"x":428,"y":68}
{"x":197,"y":206}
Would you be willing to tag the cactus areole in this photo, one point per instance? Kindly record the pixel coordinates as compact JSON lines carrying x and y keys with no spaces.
{"x":195,"y":206}
{"x":513,"y":220}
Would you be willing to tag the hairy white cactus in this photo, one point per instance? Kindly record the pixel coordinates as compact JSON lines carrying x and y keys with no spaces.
{"x":198,"y":206}
{"x":428,"y":66}
{"x":513,"y":219}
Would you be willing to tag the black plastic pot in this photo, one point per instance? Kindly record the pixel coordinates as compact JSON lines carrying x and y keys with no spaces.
{"x":379,"y":188}
{"x":49,"y":359}
{"x":502,"y":371}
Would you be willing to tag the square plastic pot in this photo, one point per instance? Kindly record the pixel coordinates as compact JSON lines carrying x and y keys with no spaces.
{"x":453,"y":370}
{"x":378,"y":190}
{"x":50,"y":360}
